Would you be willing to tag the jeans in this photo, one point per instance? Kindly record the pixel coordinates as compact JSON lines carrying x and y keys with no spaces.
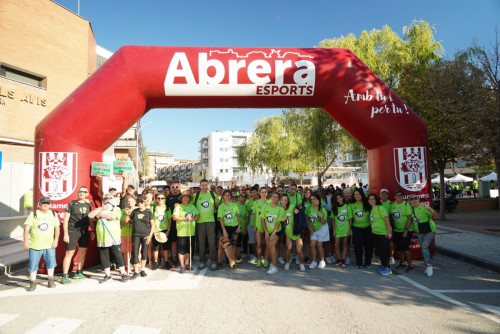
{"x":204,"y":231}
{"x":425,"y":241}
{"x":362,"y":238}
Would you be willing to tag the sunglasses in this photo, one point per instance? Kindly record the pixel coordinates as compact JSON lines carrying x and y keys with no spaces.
{"x":83,"y":192}
{"x":160,"y":197}
{"x":175,"y":187}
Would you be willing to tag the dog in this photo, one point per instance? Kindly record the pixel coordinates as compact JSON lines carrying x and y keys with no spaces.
{"x":228,"y":246}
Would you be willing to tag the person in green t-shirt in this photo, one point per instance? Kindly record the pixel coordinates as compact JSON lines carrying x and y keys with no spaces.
{"x":318,"y":230}
{"x":242,"y":236}
{"x":306,"y":203}
{"x":258,"y":206}
{"x":230,"y":223}
{"x":386,"y":203}
{"x":342,"y":222}
{"x":41,"y":236}
{"x":288,"y":220}
{"x":162,"y":220}
{"x":126,"y":235}
{"x":361,"y":229}
{"x":271,"y":217}
{"x":381,"y":230}
{"x":403,"y":229}
{"x":185,"y":214}
{"x":425,"y":227}
{"x":109,"y":235}
{"x":254,"y":196}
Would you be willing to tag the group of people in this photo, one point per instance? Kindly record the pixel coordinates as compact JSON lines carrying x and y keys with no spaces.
{"x":133,"y":229}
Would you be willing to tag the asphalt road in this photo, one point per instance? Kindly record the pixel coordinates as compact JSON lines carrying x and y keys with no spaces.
{"x":459,"y":298}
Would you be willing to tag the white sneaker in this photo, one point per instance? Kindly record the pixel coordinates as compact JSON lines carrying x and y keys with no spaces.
{"x":281,"y":261}
{"x":321,"y":264}
{"x":253,"y":260}
{"x":425,"y":271}
{"x":348,"y":260}
{"x":329,"y":260}
{"x":287,"y":266}
{"x":391,"y":260}
{"x":429,"y":271}
{"x":302,"y":267}
{"x":313,"y":265}
{"x":272,"y":270}
{"x":297,"y":261}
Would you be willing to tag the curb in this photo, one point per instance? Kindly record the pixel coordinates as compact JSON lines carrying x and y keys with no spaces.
{"x":469,"y":259}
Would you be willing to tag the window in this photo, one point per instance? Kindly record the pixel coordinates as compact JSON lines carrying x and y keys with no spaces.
{"x":222,"y":170}
{"x":221,"y":149}
{"x":226,"y":170}
{"x":24,"y":76}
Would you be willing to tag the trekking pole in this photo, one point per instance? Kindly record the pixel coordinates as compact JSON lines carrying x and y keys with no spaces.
{"x":109,"y":232}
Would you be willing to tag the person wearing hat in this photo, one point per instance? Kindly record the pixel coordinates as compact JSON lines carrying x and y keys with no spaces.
{"x":41,"y":236}
{"x":76,"y":231}
{"x":108,"y":235}
{"x":162,"y":218}
{"x":112,"y":191}
{"x":185,"y":215}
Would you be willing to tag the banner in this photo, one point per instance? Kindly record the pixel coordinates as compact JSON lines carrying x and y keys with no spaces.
{"x":120,"y":166}
{"x":101,"y":168}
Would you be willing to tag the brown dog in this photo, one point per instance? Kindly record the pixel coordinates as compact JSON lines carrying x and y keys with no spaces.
{"x":228,"y":246}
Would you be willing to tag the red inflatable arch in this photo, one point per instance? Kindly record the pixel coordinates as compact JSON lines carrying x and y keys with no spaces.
{"x":137,"y":79}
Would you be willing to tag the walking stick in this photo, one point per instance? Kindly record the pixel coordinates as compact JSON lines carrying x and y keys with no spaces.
{"x":106,"y":227}
{"x":190,"y":250}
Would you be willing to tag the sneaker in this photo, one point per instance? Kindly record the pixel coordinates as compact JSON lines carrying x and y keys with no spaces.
{"x":65,"y":280}
{"x":79,"y":275}
{"x":297,"y":261}
{"x":213,"y":266}
{"x":321,"y":264}
{"x":391,"y":260}
{"x":287,"y":266}
{"x":281,"y":261}
{"x":386,"y":271}
{"x":201,"y":265}
{"x":429,"y":272}
{"x":358,"y":267}
{"x":380,"y":269}
{"x":425,"y":271}
{"x":125,"y":278}
{"x":401,"y":265}
{"x":183,"y":269}
{"x":259,"y":263}
{"x":135,"y":275}
{"x":344,"y":264}
{"x":368,"y":266}
{"x":347,"y":260}
{"x":302,"y":267}
{"x":143,"y":273}
{"x":273,"y":270}
{"x":105,"y":279}
{"x":329,"y":260}
{"x":219,"y":266}
{"x":266,"y":264}
{"x":155,"y":265}
{"x":409,"y":269}
{"x":338,"y":264}
{"x":252,"y":260}
{"x":32,"y":286}
{"x":51,"y":283}
{"x":313,"y":265}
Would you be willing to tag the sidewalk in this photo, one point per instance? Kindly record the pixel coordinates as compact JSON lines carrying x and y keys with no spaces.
{"x":471,"y":236}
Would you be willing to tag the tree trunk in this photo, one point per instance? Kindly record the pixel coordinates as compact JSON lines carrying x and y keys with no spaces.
{"x":442,"y":209}
{"x":320,"y":175}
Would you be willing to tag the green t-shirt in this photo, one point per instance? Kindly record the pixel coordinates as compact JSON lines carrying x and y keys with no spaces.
{"x":42,"y":229}
{"x":422,"y":215}
{"x":289,"y":219}
{"x":377,"y":221}
{"x":243,"y":215}
{"x":312,"y":216}
{"x":249,"y":205}
{"x":184,"y":226}
{"x":295,"y":199}
{"x":229,"y":214}
{"x":341,"y":221}
{"x":105,"y":236}
{"x":360,"y":218}
{"x":307,"y":204}
{"x":400,"y":213}
{"x":272,"y":217}
{"x":126,"y":228}
{"x":205,"y":206}
{"x":258,"y":206}
{"x":161,"y":215}
{"x":387,"y":205}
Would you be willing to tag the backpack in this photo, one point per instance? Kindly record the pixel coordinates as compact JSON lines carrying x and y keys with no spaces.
{"x":35,"y":215}
{"x":215,"y":202}
{"x":299,"y":222}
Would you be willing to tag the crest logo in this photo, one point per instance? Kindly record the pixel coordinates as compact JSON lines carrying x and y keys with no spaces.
{"x":205,"y":204}
{"x":409,"y":167}
{"x":397,"y":214}
{"x":229,"y":215}
{"x":58,"y":174}
{"x":360,"y":213}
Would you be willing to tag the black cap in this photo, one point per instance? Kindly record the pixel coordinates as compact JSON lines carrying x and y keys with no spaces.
{"x":131,"y":186}
{"x":45,"y":200}
{"x":112,"y":189}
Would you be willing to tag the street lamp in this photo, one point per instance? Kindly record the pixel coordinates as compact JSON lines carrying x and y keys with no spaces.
{"x":137,"y":133}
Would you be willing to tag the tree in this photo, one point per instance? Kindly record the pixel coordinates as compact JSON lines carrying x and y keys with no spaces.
{"x":489,"y":61}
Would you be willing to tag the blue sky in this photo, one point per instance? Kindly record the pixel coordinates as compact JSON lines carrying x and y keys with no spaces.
{"x":271,"y":23}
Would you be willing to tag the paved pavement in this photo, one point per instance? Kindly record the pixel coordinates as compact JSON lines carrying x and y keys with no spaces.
{"x":472,"y":236}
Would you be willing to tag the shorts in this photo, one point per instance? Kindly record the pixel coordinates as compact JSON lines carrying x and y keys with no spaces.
{"x":251,"y":235}
{"x":156,"y":245}
{"x":402,"y":244}
{"x":126,"y":245}
{"x":49,"y":256}
{"x":183,"y":245}
{"x":281,"y":231}
{"x":78,"y":237}
{"x":172,"y":236}
{"x":321,"y":235}
{"x":231,"y":231}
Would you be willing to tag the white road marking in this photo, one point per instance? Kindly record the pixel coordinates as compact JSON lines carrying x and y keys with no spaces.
{"x":492,"y":309}
{"x":448,"y":299}
{"x":125,"y":329}
{"x":5,"y":318}
{"x":467,"y":291}
{"x":174,"y":281}
{"x":56,"y":326}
